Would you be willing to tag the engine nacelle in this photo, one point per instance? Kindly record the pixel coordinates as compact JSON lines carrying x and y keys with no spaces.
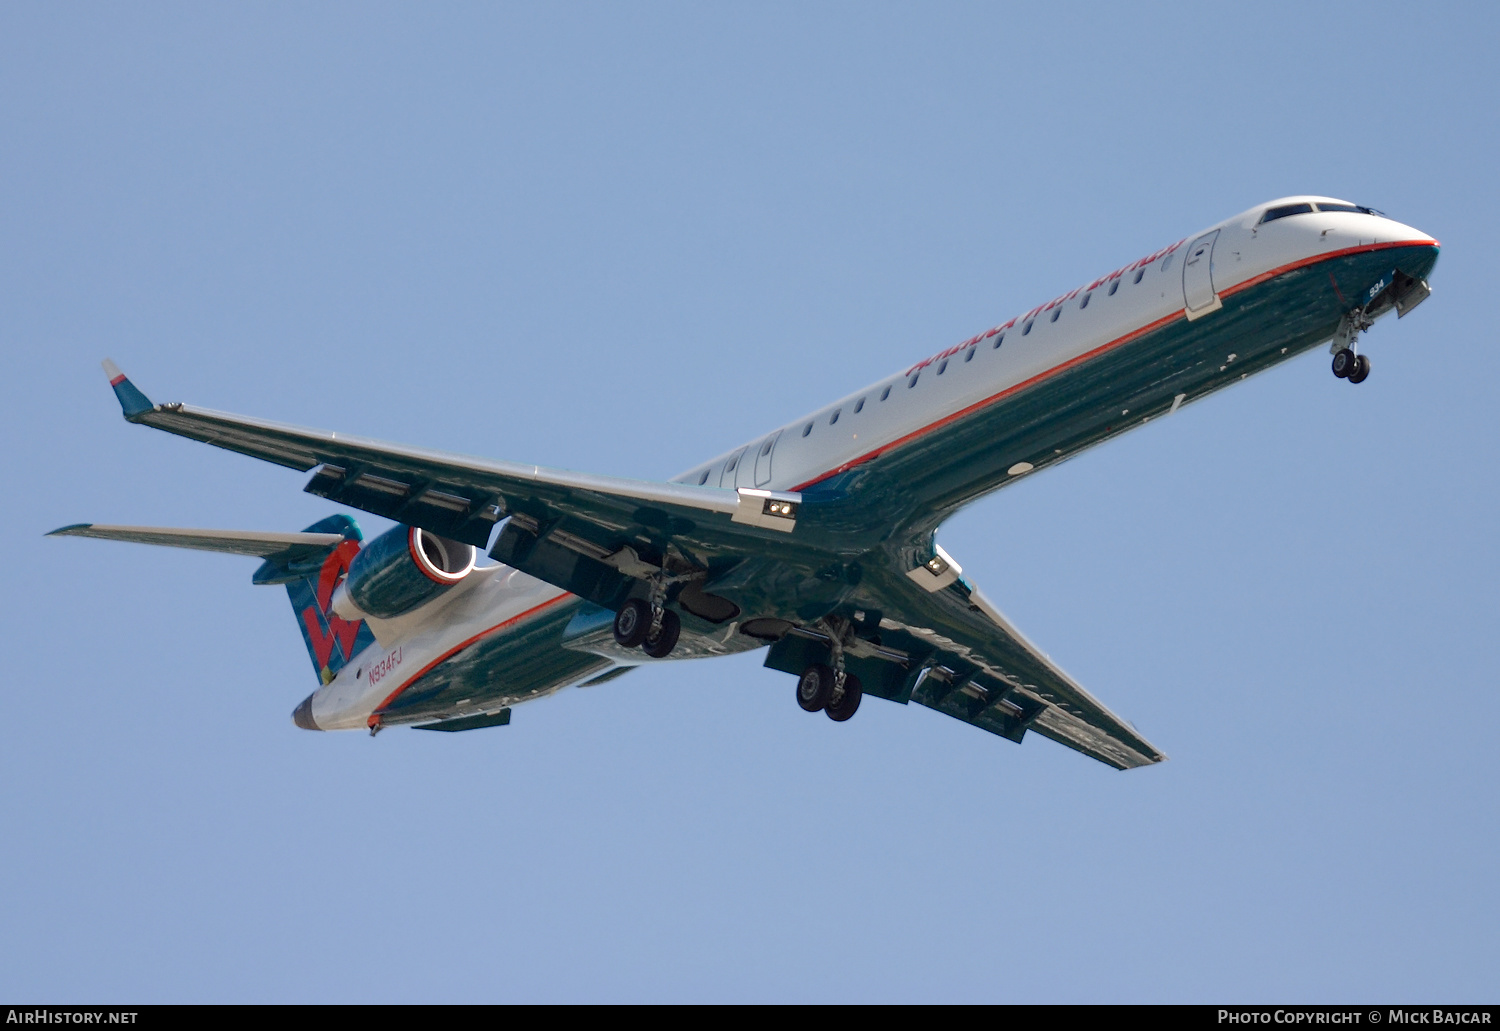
{"x":401,"y":570}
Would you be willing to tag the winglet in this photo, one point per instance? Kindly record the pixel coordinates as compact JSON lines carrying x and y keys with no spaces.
{"x":132,"y":400}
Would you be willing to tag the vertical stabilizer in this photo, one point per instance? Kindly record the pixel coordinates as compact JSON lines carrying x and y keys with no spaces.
{"x":331,"y":641}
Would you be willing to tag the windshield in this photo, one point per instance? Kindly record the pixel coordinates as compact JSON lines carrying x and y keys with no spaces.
{"x":1306,"y":208}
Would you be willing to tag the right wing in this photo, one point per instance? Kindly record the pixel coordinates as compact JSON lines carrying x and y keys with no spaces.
{"x":984,"y":671}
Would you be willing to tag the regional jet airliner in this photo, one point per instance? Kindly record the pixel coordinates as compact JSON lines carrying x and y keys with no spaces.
{"x":815,"y":542}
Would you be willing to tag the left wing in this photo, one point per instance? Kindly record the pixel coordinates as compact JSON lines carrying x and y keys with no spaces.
{"x":463,"y":498}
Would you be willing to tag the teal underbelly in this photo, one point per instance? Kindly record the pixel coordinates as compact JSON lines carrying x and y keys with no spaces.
{"x":515,"y":664}
{"x":916,"y":485}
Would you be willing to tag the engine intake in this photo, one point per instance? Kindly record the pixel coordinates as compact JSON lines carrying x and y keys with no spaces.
{"x":401,"y":570}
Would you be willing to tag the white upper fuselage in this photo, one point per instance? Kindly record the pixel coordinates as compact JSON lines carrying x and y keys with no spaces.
{"x":932,"y":392}
{"x":1062,"y":332}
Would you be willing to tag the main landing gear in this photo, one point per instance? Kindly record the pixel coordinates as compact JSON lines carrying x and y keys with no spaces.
{"x":838,"y":695}
{"x":651,"y":628}
{"x":829,"y":688}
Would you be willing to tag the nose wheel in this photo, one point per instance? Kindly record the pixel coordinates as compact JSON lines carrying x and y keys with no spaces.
{"x":1350,"y":366}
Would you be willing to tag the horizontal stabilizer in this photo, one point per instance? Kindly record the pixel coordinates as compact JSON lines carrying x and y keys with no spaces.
{"x":283,"y":547}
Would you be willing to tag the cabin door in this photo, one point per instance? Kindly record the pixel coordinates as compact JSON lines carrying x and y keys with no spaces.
{"x":763,"y":457}
{"x":732,"y":473}
{"x":1198,"y":295}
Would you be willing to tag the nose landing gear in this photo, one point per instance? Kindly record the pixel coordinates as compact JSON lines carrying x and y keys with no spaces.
{"x":1348,"y":363}
{"x":1350,"y":366}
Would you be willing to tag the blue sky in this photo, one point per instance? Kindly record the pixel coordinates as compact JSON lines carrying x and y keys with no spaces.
{"x":623,"y":238}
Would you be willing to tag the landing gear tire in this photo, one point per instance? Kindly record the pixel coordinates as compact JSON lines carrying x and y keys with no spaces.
{"x":633,"y":623}
{"x":661,"y":644}
{"x":1361,"y":370}
{"x":847,"y":703}
{"x":815,"y":687}
{"x":1345,"y":362}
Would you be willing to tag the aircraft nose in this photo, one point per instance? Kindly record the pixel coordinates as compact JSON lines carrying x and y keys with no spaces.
{"x":303,"y":717}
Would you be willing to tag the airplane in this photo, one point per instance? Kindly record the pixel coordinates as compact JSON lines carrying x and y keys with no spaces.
{"x":816,"y":541}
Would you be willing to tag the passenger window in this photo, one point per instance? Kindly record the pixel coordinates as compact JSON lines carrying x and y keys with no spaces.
{"x":1272,"y":214}
{"x":1055,"y":313}
{"x":703,"y":479}
{"x":943,"y":367}
{"x":859,"y":406}
{"x":1113,"y":287}
{"x":1138,"y":274}
{"x":1167,"y":263}
{"x":835,"y":416}
{"x":732,"y":463}
{"x":766,"y":449}
{"x":885,"y":393}
{"x":807,"y":429}
{"x":1085,"y":302}
{"x":914,"y":377}
{"x":999,"y":340}
{"x":969,"y":354}
{"x":1026,"y":328}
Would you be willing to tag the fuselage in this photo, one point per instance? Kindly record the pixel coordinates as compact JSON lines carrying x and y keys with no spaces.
{"x":1108,"y":356}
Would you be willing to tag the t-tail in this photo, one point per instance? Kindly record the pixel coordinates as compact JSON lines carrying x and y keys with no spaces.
{"x":332,"y":641}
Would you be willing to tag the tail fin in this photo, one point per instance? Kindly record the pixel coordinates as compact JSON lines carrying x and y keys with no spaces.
{"x":331,"y":641}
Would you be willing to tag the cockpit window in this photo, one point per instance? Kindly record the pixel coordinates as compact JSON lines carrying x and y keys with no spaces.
{"x":1360,"y":208}
{"x":1282,"y":211}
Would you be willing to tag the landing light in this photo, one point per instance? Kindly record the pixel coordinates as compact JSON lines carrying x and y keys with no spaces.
{"x":772,"y":510}
{"x":937,"y":572}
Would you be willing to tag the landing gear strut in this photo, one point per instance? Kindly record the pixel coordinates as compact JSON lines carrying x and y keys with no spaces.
{"x":663,"y":638}
{"x":845,"y":700}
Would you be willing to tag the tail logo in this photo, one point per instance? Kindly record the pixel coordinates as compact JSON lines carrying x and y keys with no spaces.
{"x":331,"y":640}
